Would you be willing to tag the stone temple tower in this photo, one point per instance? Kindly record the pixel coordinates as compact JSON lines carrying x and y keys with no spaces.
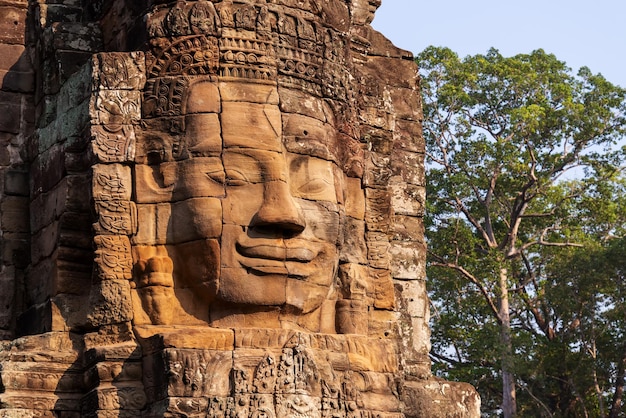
{"x":212,"y":208}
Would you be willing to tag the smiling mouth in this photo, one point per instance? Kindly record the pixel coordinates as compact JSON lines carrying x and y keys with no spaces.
{"x":266,"y":260}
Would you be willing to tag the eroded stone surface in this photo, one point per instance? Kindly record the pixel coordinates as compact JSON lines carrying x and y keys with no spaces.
{"x":225,"y":222}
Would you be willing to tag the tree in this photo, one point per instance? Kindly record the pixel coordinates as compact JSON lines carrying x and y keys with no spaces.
{"x":570,"y":370}
{"x":505,"y":137}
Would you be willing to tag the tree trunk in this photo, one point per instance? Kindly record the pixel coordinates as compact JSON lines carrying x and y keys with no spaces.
{"x":509,"y":404}
{"x":594,"y":355}
{"x":616,"y":407}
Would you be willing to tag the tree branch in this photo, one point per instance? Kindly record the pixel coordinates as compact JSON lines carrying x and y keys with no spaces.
{"x":616,"y":406}
{"x":469,"y":276}
{"x":542,"y":242}
{"x":445,"y":359}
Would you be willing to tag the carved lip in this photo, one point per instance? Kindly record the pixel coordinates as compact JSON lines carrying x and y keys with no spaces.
{"x":266,"y":270}
{"x":275,"y":252}
{"x":270,"y":259}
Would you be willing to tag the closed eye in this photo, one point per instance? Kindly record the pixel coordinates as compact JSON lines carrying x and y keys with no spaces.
{"x":216,"y":176}
{"x":315,"y":186}
{"x":236,"y":178}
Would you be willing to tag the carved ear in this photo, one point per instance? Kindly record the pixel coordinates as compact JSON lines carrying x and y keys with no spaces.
{"x":155,"y":172}
{"x":362,"y":11}
{"x":156,"y":182}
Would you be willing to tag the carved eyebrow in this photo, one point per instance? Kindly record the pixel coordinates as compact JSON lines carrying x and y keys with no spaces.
{"x":241,"y":166}
{"x":311,"y":147}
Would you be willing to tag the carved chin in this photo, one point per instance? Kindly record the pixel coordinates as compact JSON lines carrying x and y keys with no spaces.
{"x":238,"y":286}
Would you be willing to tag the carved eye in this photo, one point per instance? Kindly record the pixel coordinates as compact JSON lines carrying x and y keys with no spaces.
{"x":236,"y":178}
{"x":216,"y":176}
{"x":315,"y":186}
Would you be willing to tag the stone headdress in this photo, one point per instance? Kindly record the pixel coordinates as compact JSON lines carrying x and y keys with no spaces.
{"x":292,"y":44}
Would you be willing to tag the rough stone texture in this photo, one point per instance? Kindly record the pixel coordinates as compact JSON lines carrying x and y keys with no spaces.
{"x":16,"y":124}
{"x":212,"y":209}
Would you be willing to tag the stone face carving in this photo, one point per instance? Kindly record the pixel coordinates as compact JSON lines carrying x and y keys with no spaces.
{"x":223,"y":220}
{"x":262,"y":217}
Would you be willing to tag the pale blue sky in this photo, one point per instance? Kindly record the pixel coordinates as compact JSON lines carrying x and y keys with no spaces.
{"x":581,"y":33}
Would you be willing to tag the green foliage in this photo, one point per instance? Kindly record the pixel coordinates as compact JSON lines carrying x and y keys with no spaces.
{"x":524,"y":177}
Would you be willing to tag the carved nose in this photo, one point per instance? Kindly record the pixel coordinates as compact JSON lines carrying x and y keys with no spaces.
{"x":279,"y":211}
